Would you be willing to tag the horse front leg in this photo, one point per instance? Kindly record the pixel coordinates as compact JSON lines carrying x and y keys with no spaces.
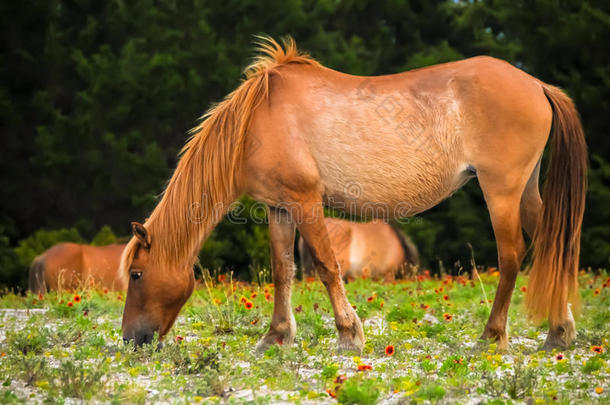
{"x":313,"y":229}
{"x":281,"y":233}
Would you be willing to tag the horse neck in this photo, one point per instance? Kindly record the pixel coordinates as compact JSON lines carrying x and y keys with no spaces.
{"x":179,"y":231}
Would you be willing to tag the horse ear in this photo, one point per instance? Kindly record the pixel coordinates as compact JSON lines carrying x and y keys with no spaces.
{"x":140,"y":232}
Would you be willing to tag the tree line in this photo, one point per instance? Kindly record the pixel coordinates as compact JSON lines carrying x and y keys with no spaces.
{"x":97,"y":97}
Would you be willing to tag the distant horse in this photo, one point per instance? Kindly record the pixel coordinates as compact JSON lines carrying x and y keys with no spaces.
{"x":296,"y":135}
{"x":372,"y":249}
{"x":71,"y":266}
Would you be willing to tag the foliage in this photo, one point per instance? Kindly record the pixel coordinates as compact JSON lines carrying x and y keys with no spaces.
{"x":105,"y":236}
{"x":97,"y":97}
{"x":43,"y":239}
{"x":53,"y":355}
{"x":359,"y":391}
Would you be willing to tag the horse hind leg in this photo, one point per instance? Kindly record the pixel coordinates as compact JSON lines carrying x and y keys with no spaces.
{"x":503,"y":203}
{"x":531,"y":203}
{"x":283,"y":326}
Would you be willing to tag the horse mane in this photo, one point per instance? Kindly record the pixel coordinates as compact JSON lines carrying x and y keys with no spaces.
{"x":204,"y":183}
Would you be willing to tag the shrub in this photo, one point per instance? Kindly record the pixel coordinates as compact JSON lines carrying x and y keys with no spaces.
{"x":358,"y":390}
{"x":80,"y":379}
{"x":27,"y":340}
{"x":105,"y":236}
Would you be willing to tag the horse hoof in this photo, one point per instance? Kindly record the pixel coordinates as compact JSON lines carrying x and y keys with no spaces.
{"x":500,"y":338}
{"x":561,"y":336}
{"x":350,"y":346}
{"x":352,"y":339}
{"x":274,"y":338}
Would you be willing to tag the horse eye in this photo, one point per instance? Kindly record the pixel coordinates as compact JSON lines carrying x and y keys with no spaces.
{"x":135,"y":275}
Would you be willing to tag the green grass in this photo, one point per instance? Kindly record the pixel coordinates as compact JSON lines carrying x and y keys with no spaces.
{"x":51,"y":351}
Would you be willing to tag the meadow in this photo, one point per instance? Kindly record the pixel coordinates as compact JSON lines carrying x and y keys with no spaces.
{"x":422,"y":347}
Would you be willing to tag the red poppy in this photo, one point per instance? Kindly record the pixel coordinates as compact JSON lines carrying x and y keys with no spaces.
{"x":597,"y":349}
{"x":40,"y":296}
{"x":389,"y":350}
{"x":120,"y":298}
{"x":447,"y":316}
{"x":523,"y":289}
{"x":222,"y":278}
{"x":310,"y":279}
{"x":371,"y":298}
{"x":268,"y":297}
{"x":340,"y":379}
{"x":253,"y":295}
{"x":446,"y":297}
{"x":559,"y":357}
{"x":424,"y":306}
{"x":77,"y":298}
{"x":364,"y":367}
{"x":179,"y":338}
{"x":381,"y":304}
{"x":243,"y":300}
{"x":70,"y":304}
{"x":254,"y":321}
{"x":597,"y":291}
{"x":105,"y":291}
{"x":331,"y":393}
{"x":248,"y":305}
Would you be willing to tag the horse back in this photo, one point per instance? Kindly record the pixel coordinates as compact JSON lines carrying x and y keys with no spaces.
{"x":58,"y":267}
{"x":101,"y":264}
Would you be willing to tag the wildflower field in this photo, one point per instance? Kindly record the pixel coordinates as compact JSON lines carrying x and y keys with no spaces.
{"x":422,"y":347}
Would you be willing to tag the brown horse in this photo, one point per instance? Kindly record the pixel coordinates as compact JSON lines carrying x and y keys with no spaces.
{"x":71,"y":266}
{"x":296,"y":135}
{"x":372,"y":249}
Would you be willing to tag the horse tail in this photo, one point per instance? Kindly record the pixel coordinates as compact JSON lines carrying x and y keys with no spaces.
{"x":36,"y":282}
{"x":409,"y":249}
{"x":554,"y":273}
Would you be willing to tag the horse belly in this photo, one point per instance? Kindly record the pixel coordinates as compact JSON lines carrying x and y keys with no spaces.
{"x":388,"y":181}
{"x":376,"y":162}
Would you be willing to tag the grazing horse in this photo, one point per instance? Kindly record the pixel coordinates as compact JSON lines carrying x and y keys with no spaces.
{"x":296,"y":135}
{"x":71,"y":266}
{"x":372,"y":249}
